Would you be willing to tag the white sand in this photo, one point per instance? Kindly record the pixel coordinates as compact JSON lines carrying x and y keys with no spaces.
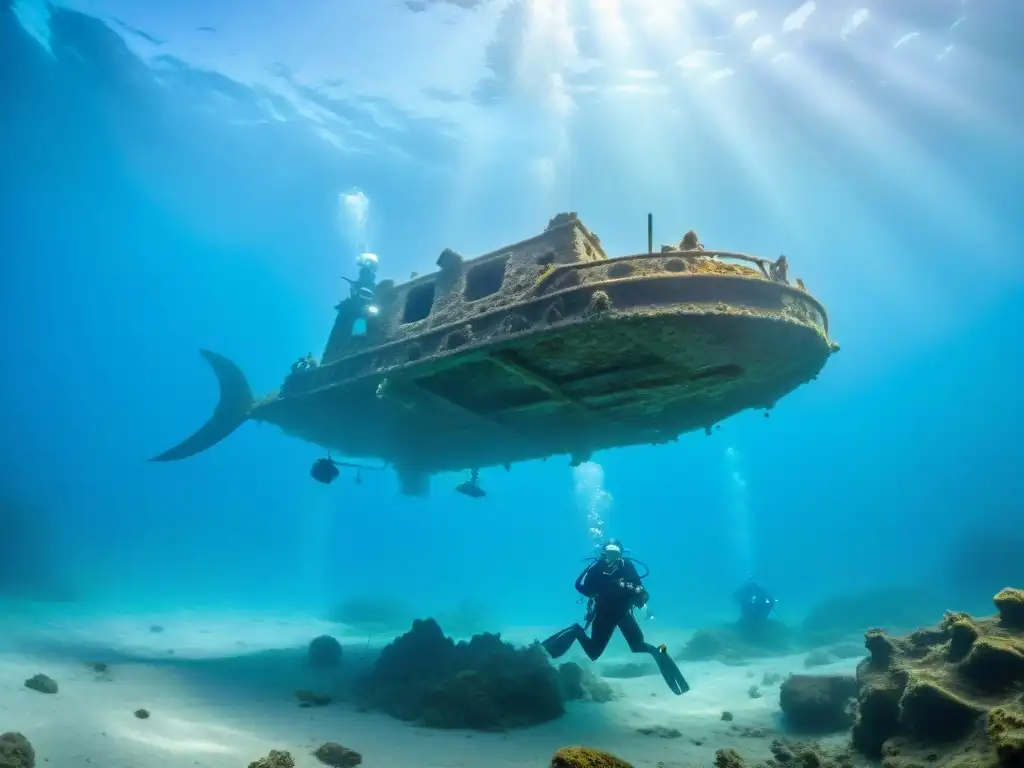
{"x":221,"y":692}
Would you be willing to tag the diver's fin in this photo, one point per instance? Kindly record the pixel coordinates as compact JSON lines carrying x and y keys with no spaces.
{"x":559,"y":644}
{"x":673,"y":677}
{"x":232,"y":410}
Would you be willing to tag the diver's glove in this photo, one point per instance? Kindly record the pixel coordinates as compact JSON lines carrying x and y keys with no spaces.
{"x":639,"y":594}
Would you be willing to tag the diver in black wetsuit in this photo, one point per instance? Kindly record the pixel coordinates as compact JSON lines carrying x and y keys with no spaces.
{"x":756,"y":603}
{"x":614,"y":589}
{"x":361,"y":293}
{"x":366,"y":283}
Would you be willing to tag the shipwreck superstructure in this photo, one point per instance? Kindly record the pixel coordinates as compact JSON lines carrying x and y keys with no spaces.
{"x":540,"y":348}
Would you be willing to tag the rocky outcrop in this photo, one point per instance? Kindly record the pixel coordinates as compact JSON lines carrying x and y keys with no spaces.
{"x":324,"y":651}
{"x":818,"y":703}
{"x":585,"y":757}
{"x":791,"y":755}
{"x":276,"y":759}
{"x":1010,"y":604}
{"x":946,"y":695}
{"x":336,"y":756}
{"x":483,"y":684}
{"x":16,"y":752}
{"x":42,"y":683}
{"x":579,"y":684}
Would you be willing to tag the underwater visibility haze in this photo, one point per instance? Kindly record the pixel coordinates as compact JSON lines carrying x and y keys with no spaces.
{"x":181,"y":177}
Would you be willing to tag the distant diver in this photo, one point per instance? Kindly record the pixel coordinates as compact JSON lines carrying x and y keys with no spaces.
{"x":362,"y":291}
{"x":756,"y":603}
{"x":614,"y":588}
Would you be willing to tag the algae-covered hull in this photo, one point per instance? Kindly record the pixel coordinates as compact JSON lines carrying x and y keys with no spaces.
{"x":578,"y":356}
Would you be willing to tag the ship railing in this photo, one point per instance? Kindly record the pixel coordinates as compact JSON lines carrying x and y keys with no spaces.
{"x":776,"y":271}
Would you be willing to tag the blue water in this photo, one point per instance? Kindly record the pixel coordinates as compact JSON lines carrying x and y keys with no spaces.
{"x":167,"y":188}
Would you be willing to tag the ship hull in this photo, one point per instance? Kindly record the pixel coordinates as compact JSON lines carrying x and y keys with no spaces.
{"x":592,"y":365}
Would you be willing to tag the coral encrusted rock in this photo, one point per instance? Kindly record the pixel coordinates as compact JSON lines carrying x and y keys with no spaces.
{"x":484,"y":684}
{"x":946,"y":696}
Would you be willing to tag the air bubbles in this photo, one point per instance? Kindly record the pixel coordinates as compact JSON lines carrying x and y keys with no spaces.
{"x":592,"y":499}
{"x":353,"y":217}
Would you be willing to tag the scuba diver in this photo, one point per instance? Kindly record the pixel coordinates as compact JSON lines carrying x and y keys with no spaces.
{"x":756,"y":603}
{"x":367,"y":280}
{"x":614,"y":589}
{"x":361,"y":292}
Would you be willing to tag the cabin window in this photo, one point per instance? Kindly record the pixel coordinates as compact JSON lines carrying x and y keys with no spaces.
{"x":418,"y":303}
{"x":485,"y":279}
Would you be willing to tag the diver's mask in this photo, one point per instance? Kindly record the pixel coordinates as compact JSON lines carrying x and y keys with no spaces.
{"x":611,"y":554}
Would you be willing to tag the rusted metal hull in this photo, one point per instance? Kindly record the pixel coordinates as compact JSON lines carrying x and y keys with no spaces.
{"x":541,"y":348}
{"x":608,"y":363}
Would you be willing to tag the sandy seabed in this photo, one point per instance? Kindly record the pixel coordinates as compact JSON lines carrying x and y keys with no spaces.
{"x":220,"y":689}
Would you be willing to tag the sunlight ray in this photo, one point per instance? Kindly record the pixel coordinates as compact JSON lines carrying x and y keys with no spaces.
{"x":472,"y":169}
{"x":724,"y":114}
{"x":638,"y":134}
{"x":549,"y":49}
{"x":699,"y":72}
{"x":612,"y":32}
{"x":895,"y":67}
{"x":632,"y":112}
{"x":864,"y":131}
{"x":538,"y":95}
{"x":659,"y":21}
{"x":891,"y":64}
{"x":478,"y":141}
{"x":755,"y":154}
{"x":553,"y":169}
